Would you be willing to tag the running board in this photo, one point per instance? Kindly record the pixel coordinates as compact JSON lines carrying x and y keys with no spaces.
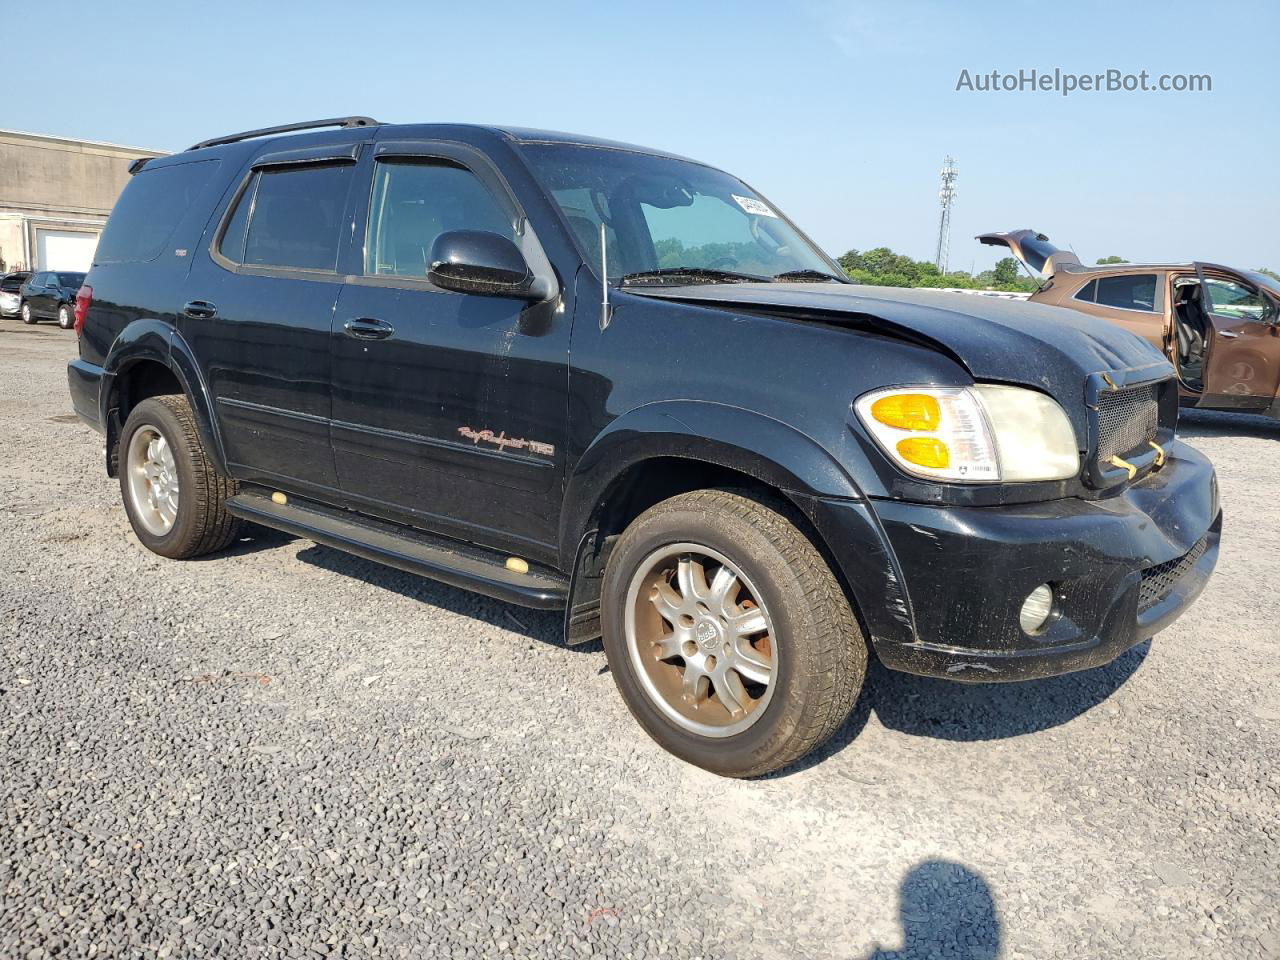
{"x":438,"y":558}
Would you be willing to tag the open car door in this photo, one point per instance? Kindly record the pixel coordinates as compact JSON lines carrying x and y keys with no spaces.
{"x":1035,"y":251}
{"x":1242,"y":361}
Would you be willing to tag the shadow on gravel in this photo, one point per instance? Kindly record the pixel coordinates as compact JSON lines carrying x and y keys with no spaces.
{"x":253,"y":539}
{"x":1214,"y":423}
{"x":945,"y":909}
{"x":541,"y":625}
{"x":971,"y":712}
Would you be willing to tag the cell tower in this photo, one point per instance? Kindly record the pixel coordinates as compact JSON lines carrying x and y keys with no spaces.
{"x":947,"y":194}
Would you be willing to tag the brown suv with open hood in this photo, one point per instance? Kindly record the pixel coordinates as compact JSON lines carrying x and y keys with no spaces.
{"x":1219,"y":326}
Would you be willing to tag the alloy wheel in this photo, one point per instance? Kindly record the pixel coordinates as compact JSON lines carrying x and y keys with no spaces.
{"x":700,"y":640}
{"x":152,"y":480}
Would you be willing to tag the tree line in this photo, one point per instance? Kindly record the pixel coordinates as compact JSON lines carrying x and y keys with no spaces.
{"x":883,"y":268}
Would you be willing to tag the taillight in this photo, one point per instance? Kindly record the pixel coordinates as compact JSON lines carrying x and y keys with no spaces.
{"x":84,"y":297}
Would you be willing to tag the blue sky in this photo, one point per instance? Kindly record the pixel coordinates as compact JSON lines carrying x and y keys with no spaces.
{"x":841,"y":113}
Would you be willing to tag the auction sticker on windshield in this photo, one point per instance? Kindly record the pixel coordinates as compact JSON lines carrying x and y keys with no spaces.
{"x":753,"y":206}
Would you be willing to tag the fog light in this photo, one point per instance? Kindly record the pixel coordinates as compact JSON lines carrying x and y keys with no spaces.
{"x":1036,"y":609}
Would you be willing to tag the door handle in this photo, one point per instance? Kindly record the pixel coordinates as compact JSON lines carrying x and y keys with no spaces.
{"x":1228,"y":334}
{"x":368,"y":328}
{"x":200,"y":310}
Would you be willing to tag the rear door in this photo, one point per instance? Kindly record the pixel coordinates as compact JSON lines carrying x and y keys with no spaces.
{"x":1242,"y":368}
{"x":258,"y":311}
{"x":449,"y":409}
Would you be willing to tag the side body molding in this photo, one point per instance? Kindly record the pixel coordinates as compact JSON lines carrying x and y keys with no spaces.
{"x":154,"y":340}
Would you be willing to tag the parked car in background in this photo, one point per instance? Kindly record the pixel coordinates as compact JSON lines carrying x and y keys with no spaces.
{"x":10,"y":292}
{"x":1219,"y":326}
{"x":582,"y":375}
{"x":51,"y":295}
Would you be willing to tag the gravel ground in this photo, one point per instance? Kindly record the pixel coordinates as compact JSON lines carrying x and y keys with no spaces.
{"x":287,"y":751}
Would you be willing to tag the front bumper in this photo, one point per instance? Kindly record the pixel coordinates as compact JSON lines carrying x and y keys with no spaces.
{"x":10,"y":303}
{"x":941,"y":596}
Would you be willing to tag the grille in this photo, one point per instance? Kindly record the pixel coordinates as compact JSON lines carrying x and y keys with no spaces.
{"x":1157,"y":581}
{"x":1127,"y":420}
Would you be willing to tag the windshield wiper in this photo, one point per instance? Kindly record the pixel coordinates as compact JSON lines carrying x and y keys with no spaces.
{"x":697,"y":274}
{"x":806,"y":274}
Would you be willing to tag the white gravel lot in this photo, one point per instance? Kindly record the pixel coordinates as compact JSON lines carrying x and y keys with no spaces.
{"x":287,"y":751}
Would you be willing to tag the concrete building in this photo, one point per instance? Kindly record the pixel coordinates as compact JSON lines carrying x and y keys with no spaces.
{"x":55,"y":194}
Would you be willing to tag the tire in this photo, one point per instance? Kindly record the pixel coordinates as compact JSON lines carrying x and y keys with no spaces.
{"x":25,"y":310}
{"x":813,"y":653}
{"x":65,"y":318}
{"x":200,"y":522}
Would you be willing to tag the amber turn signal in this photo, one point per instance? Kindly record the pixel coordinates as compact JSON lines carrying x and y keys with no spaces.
{"x":908,"y":411}
{"x":925,"y":452}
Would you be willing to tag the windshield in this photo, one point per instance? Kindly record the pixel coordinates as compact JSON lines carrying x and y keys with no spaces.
{"x":669,"y":215}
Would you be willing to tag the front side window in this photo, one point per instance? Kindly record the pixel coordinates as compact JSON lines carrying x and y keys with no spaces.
{"x":70,"y":279}
{"x":664,"y":214}
{"x":1128,"y":292}
{"x":413,"y":202}
{"x":1231,"y":299}
{"x":296,"y":220}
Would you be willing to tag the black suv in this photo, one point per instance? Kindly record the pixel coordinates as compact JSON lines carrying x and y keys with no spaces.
{"x":50,"y":295}
{"x":577,"y":374}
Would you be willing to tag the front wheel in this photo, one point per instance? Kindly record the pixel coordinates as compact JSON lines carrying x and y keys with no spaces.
{"x":175,"y":499}
{"x":65,"y":320}
{"x":728,"y":636}
{"x":26,"y":314}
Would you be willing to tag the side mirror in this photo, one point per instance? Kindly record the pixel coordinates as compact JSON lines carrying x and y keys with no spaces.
{"x":477,"y":261}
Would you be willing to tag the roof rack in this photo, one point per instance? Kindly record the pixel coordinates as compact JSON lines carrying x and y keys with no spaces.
{"x":287,"y":128}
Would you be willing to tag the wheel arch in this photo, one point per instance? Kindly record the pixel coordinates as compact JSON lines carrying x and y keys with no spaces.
{"x":672,"y":447}
{"x":151,"y":358}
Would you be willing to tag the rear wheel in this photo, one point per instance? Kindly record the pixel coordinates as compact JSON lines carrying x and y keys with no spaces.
{"x":175,"y":499}
{"x":65,"y":319}
{"x":728,"y":635}
{"x":27,"y":316}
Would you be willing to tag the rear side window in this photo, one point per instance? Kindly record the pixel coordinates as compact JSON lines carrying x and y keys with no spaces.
{"x":1135,"y":292}
{"x":413,"y":203}
{"x":294,"y":217}
{"x":1088,"y":292}
{"x":149,"y":210}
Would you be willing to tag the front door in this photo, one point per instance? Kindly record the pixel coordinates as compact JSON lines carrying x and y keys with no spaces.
{"x":1242,"y":368}
{"x":41,"y":294}
{"x":449,"y":409}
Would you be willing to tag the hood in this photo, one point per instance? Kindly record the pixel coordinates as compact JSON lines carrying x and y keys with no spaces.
{"x":1032,"y":248}
{"x":1052,"y":349}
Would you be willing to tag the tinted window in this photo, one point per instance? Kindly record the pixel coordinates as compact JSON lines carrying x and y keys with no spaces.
{"x":232,"y":244}
{"x":1231,"y":299}
{"x":1136,"y":292}
{"x":11,"y":284}
{"x":70,"y":279}
{"x":1088,"y":292}
{"x":413,"y":203}
{"x":149,"y":209}
{"x":297,"y":216}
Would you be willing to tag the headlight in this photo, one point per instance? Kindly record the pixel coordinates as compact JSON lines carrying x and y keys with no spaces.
{"x":986,"y":433}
